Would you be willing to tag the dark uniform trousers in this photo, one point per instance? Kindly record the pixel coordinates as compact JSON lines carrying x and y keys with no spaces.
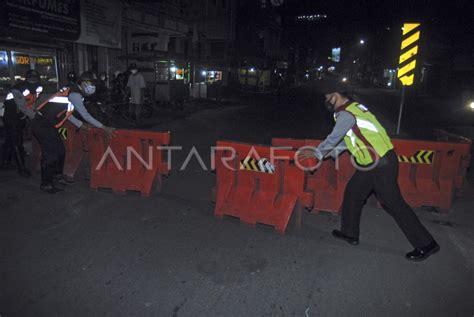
{"x":52,"y":147}
{"x":14,"y":128}
{"x":383,"y":181}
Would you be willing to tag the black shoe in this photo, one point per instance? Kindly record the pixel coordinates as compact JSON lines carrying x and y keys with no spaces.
{"x":420,"y":254}
{"x":61,"y":180}
{"x":50,"y":189}
{"x":338,"y":234}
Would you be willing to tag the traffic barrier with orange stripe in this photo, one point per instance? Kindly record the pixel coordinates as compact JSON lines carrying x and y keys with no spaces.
{"x":259,"y":185}
{"x":430,"y":173}
{"x":130,"y":161}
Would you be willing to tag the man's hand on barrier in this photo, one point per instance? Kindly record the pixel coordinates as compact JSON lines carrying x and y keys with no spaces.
{"x":306,"y":154}
{"x":86,"y":127}
{"x":109,"y":132}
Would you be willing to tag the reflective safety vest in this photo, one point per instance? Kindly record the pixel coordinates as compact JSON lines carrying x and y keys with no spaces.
{"x":30,"y":92}
{"x":57,"y":108}
{"x":367,"y":139}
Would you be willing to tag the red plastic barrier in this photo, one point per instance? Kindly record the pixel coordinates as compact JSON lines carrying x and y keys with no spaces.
{"x":422,"y":184}
{"x":463,"y":151}
{"x":328,"y":183}
{"x":130,"y":161}
{"x":256,"y":196}
{"x":75,"y":142}
{"x":432,"y":184}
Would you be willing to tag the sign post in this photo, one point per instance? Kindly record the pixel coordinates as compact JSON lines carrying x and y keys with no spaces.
{"x":407,"y":61}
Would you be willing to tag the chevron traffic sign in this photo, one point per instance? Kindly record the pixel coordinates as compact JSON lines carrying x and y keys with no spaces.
{"x":408,"y":51}
{"x":262,"y":165}
{"x":420,"y":157}
{"x":63,"y":133}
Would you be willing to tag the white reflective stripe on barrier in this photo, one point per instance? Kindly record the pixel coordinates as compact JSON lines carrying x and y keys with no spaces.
{"x":70,"y":107}
{"x":26,"y":92}
{"x":39,"y":90}
{"x":9,"y":96}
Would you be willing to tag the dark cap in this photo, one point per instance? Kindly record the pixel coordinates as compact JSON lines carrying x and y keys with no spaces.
{"x":86,"y":76}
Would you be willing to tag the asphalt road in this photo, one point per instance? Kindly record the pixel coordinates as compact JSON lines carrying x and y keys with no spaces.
{"x":85,"y":253}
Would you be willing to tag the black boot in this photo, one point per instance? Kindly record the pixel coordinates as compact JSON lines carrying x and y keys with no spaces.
{"x":339,"y":235}
{"x":6,"y":160}
{"x":51,"y":189}
{"x":19,"y":156}
{"x":420,"y":254}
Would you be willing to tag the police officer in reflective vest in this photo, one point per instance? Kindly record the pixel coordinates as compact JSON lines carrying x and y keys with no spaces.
{"x":51,"y":113}
{"x":358,"y":131}
{"x":18,"y":107}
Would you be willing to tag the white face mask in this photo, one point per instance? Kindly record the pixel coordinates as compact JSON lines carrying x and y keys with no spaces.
{"x":134,"y":71}
{"x":88,"y":89}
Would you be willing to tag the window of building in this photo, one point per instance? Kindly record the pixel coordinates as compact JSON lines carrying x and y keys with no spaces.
{"x":5,"y":81}
{"x":43,"y":63}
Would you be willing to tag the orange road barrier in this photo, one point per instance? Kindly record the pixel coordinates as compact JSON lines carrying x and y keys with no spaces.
{"x":130,"y":161}
{"x":327,"y":183}
{"x":259,"y":185}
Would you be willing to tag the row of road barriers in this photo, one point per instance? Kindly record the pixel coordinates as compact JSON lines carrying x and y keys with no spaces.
{"x":265,"y":184}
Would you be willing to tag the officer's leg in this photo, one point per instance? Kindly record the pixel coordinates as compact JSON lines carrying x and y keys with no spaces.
{"x":355,"y":196}
{"x":18,"y":149}
{"x":47,"y":137}
{"x":388,"y":193}
{"x":9,"y":121}
{"x":6,"y":160}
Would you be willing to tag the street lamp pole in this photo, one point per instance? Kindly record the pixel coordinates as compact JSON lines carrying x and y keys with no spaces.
{"x":401,"y":109}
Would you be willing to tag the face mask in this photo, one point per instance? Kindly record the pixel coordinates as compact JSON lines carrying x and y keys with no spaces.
{"x":134,"y":71}
{"x":88,"y":89}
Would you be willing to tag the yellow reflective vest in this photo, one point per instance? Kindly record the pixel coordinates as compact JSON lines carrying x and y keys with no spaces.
{"x":367,"y":139}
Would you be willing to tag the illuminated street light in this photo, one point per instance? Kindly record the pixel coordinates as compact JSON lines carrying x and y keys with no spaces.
{"x":344,"y":79}
{"x":362,"y":42}
{"x":204,"y":73}
{"x":252,"y":70}
{"x":173,"y":69}
{"x":471,"y":105}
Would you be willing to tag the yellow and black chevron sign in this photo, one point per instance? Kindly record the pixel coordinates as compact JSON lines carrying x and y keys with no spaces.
{"x":420,"y":157}
{"x":409,"y":50}
{"x":262,"y":165}
{"x":63,"y":133}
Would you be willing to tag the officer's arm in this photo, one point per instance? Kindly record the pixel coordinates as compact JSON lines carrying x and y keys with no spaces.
{"x":341,"y":147}
{"x":76,"y":100}
{"x":20,"y":102}
{"x":76,"y":122}
{"x":345,"y":121}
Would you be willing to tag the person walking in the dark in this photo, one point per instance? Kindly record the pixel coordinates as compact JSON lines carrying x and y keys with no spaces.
{"x":358,"y":131}
{"x":136,"y":88}
{"x":18,"y":107}
{"x":51,"y":113}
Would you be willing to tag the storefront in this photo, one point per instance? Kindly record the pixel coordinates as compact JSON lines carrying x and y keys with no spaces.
{"x":15,"y":62}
